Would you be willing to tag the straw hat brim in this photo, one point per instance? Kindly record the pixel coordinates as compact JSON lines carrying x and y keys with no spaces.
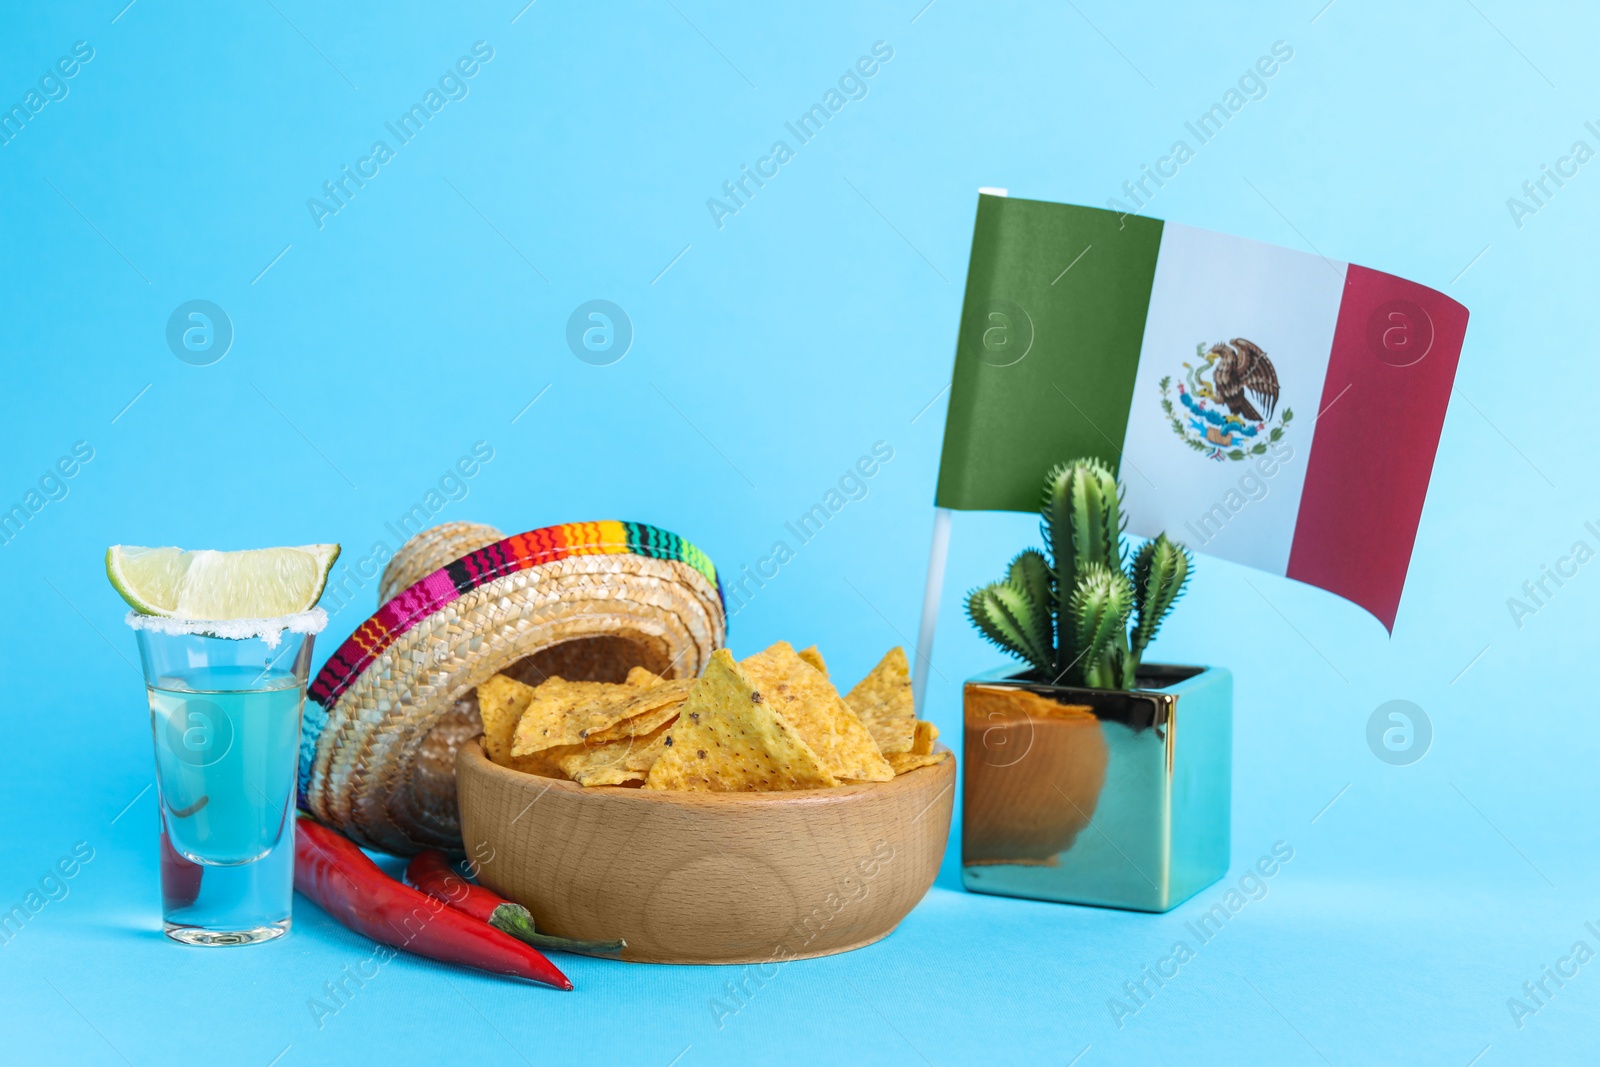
{"x":429,"y":550}
{"x":390,"y":707}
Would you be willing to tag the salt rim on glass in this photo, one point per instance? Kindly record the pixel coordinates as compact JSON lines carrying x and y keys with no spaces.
{"x":269,"y":630}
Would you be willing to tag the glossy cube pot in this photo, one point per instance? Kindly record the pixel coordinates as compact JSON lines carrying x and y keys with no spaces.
{"x":1094,"y":796}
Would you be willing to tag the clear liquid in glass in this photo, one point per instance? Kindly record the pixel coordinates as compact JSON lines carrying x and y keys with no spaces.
{"x":227,"y":747}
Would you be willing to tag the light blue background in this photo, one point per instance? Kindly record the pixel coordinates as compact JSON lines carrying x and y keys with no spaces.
{"x":772,"y":354}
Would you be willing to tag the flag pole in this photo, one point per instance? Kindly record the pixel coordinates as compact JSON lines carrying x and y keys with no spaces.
{"x":930,"y":606}
{"x":937,"y":555}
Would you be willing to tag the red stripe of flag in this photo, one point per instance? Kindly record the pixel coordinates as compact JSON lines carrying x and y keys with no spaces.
{"x":1395,"y":348}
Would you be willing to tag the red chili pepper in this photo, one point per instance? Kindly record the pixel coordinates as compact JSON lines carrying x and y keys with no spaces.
{"x":333,"y":872}
{"x":433,"y":873}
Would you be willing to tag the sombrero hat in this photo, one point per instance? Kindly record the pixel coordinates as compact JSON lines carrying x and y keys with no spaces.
{"x":584,"y":601}
{"x":430,"y":550}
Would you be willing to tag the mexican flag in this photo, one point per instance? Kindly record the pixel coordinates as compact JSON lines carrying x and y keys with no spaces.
{"x":1261,"y":404}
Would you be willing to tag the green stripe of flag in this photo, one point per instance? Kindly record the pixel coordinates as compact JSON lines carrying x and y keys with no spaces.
{"x":1051,"y":326}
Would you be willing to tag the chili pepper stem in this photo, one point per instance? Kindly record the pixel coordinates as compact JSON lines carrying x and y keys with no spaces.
{"x":515,"y":920}
{"x":433,"y":873}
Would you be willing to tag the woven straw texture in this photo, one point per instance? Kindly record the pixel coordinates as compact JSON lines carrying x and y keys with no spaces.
{"x":430,"y":550}
{"x":381,"y":767}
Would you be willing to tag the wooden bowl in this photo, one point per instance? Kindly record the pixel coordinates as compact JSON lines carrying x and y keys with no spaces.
{"x":707,"y":877}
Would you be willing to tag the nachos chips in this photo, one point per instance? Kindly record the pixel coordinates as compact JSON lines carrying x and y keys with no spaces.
{"x":771,"y":722}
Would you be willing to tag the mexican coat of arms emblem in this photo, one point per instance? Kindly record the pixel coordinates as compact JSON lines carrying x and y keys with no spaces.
{"x":1227,"y":399}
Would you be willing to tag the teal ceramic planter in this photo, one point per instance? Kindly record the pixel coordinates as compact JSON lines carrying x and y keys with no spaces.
{"x":1091,"y":796}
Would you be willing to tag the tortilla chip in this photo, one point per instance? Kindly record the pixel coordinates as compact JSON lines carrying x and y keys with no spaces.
{"x":731,"y":738}
{"x":910,"y":761}
{"x":564,"y":713}
{"x":539,"y":763}
{"x":643,"y":678}
{"x":926,"y":735}
{"x":644,"y":713}
{"x":643,"y":758}
{"x":501,"y":701}
{"x":805,"y":697}
{"x":614,"y":763}
{"x":883,"y":701}
{"x":813,"y":657}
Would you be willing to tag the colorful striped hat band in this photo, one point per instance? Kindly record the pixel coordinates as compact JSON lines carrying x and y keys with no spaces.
{"x":583,"y":601}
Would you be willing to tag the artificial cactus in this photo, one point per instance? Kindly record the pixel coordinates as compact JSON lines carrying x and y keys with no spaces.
{"x":1097,"y":618}
{"x":1069,"y":615}
{"x":1160,"y":573}
{"x":1009,"y":618}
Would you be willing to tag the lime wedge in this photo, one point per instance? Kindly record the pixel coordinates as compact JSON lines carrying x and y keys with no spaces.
{"x":258,"y":583}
